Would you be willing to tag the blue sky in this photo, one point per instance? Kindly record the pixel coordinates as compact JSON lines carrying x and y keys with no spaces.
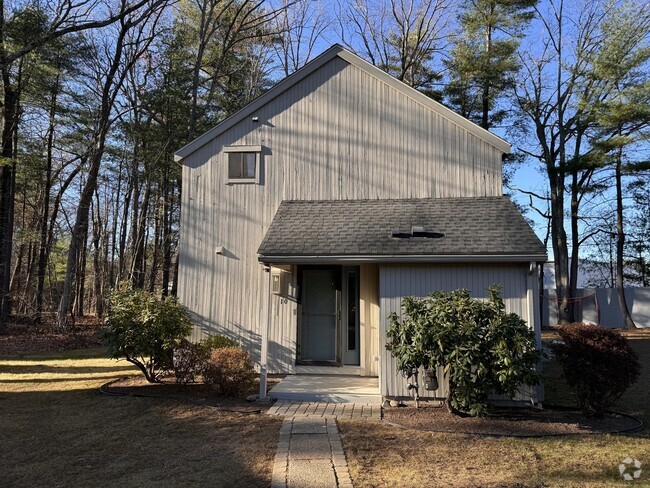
{"x":528,"y":175}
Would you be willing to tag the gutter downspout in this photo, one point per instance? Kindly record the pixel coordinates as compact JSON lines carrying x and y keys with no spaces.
{"x":264,"y":353}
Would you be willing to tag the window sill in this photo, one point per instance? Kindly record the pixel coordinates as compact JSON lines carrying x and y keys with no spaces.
{"x":246,"y":181}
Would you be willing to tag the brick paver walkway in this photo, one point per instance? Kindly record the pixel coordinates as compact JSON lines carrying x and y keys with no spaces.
{"x":335,"y":410}
{"x":310,"y":453}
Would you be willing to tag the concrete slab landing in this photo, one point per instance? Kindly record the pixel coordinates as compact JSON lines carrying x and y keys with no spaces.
{"x":328,"y":388}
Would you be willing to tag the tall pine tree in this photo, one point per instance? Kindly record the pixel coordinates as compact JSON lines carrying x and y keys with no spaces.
{"x":623,"y":112}
{"x":483,"y":60}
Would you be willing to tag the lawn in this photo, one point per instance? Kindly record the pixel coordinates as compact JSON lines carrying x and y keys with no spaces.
{"x":381,"y":455}
{"x":57,"y":430}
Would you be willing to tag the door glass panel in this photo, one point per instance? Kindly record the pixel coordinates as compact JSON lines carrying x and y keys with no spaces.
{"x":320,"y":291}
{"x":352,"y":311}
{"x":351,"y":326}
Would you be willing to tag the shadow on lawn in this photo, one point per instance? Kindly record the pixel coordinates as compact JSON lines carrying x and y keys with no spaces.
{"x":40,"y":369}
{"x":79,"y":437}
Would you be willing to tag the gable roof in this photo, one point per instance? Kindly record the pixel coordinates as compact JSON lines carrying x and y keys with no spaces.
{"x":353,"y":59}
{"x":456,"y":229}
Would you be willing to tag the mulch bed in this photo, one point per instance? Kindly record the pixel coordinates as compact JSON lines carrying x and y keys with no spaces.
{"x":551,"y":334}
{"x":197,"y":393}
{"x":513,"y":422}
{"x":22,"y":337}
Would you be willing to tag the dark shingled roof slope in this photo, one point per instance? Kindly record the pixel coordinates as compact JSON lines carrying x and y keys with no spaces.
{"x":482,"y":226}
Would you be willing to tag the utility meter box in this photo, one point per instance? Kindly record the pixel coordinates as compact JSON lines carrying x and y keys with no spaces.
{"x":278,"y":282}
{"x":430,"y":380}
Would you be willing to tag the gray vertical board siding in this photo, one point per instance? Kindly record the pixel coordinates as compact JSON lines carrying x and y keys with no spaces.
{"x":600,"y":306}
{"x":338,"y":134}
{"x":399,"y":281}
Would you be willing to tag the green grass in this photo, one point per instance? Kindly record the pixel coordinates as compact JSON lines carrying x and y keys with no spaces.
{"x":57,"y":430}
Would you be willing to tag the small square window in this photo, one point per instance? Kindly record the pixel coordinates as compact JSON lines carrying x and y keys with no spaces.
{"x":243,"y":164}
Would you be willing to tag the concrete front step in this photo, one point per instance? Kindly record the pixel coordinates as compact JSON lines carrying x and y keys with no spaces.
{"x":325,"y":397}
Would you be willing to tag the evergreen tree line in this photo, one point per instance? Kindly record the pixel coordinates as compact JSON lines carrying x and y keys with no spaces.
{"x":97,"y":97}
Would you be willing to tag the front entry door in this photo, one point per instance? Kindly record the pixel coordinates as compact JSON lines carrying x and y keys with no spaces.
{"x":320,"y":301}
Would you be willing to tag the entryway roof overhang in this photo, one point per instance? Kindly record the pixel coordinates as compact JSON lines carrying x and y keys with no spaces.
{"x":427,"y":230}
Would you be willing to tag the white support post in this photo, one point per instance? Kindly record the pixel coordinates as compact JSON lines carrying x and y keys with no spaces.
{"x":264,"y":353}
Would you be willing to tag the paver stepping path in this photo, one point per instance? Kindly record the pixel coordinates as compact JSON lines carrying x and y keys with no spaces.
{"x":310,"y":453}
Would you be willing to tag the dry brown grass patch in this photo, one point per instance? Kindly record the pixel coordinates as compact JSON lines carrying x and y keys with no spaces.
{"x":381,"y":455}
{"x":57,"y":430}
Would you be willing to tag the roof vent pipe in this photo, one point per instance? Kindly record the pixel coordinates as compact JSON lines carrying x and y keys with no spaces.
{"x":417,"y":230}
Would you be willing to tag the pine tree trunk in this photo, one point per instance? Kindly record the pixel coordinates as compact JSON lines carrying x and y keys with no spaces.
{"x":43,"y":254}
{"x":166,"y":236}
{"x":28,"y":288}
{"x":620,"y":245}
{"x":80,"y":280}
{"x":155,"y":253}
{"x":485,"y":96}
{"x":80,"y":229}
{"x":7,"y":189}
{"x":97,"y":261}
{"x":574,"y":262}
{"x":557,"y":181}
{"x":135,"y":211}
{"x":15,"y":284}
{"x":114,"y":230}
{"x":559,"y":244}
{"x":123,"y":234}
{"x":138,"y":263}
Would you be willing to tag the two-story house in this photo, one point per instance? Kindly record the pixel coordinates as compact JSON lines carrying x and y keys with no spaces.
{"x":310,"y":213}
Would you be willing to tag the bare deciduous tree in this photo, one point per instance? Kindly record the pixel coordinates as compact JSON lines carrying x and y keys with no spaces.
{"x":401,"y":37}
{"x":114,"y":59}
{"x":299,"y":27}
{"x":58,"y":19}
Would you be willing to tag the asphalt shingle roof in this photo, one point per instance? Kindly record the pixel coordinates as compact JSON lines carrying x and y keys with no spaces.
{"x":482,"y":226}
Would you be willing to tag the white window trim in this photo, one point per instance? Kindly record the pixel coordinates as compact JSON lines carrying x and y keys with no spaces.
{"x":245,"y":149}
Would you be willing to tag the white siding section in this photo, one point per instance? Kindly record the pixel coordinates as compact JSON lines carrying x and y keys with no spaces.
{"x":340,"y":133}
{"x":397,"y":282}
{"x":369,"y":318}
{"x":600,"y":306}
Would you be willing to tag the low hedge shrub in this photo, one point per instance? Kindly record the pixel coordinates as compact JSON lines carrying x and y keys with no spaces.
{"x":598,"y":364}
{"x":190,"y":360}
{"x":231,"y":371}
{"x":145,"y":330}
{"x":217,"y":342}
